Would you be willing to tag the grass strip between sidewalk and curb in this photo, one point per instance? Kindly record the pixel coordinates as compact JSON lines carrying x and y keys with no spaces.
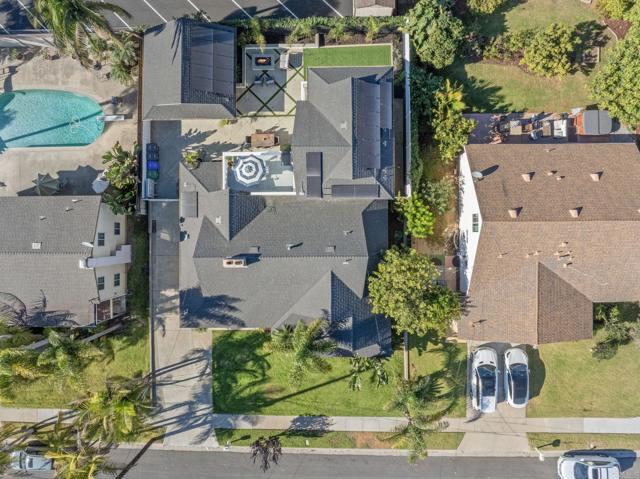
{"x":565,"y":442}
{"x":332,"y":439}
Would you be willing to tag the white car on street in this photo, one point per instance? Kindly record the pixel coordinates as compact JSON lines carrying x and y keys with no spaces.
{"x":516,"y":377}
{"x":484,"y":380}
{"x":588,"y":466}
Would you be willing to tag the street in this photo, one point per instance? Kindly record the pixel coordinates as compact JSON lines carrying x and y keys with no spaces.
{"x":199,"y":465}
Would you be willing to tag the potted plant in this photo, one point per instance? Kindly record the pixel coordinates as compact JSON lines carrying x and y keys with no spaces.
{"x":192,"y":159}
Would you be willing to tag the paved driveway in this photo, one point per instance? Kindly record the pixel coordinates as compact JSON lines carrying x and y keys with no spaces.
{"x":14,"y":14}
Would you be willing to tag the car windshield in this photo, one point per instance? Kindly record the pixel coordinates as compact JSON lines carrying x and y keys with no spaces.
{"x":580,"y":471}
{"x":487,"y":380}
{"x":519,"y":379}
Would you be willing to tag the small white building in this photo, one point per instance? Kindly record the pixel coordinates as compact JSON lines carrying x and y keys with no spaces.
{"x":64,"y":260}
{"x":373,"y":8}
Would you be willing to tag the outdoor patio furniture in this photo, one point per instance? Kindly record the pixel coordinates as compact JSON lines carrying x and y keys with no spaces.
{"x":268,"y":79}
{"x":284,"y":60}
{"x":263,"y":140}
{"x":259,"y":80}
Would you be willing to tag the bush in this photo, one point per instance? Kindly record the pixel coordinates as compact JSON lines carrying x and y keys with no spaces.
{"x":419,"y":218}
{"x":633,"y":14}
{"x":550,"y":51}
{"x":424,"y":86}
{"x":450,"y":129}
{"x":484,"y":6}
{"x":508,"y":46}
{"x":618,"y":330}
{"x":616,"y":85}
{"x":437,"y":194}
{"x":614,"y":9}
{"x":436,"y":34}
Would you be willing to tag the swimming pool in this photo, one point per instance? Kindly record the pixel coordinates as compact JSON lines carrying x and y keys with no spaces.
{"x":48,"y":118}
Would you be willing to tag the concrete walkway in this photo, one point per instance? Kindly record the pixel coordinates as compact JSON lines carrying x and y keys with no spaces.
{"x":182,"y":356}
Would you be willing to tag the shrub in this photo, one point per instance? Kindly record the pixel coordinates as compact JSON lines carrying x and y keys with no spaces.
{"x":614,"y":9}
{"x":633,"y":14}
{"x":338,"y":32}
{"x":617,"y":331}
{"x":550,"y":51}
{"x":484,"y":6}
{"x":436,"y":34}
{"x":616,"y":85}
{"x":373,"y":29}
{"x":419,"y":218}
{"x":509,"y":46}
{"x":450,"y":129}
{"x":437,"y":194}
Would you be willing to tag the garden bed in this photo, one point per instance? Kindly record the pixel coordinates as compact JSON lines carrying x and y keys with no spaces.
{"x":248,"y":379}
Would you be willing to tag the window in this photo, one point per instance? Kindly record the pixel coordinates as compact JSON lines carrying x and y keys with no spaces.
{"x":116,"y":229}
{"x":116,"y":280}
{"x":100,"y":283}
{"x":100,"y":239}
{"x":476,"y":222}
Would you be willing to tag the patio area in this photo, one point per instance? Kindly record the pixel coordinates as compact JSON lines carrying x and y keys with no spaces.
{"x":259,"y":172}
{"x":271,"y":81}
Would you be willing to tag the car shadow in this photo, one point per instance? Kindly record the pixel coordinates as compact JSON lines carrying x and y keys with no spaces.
{"x":537,"y":371}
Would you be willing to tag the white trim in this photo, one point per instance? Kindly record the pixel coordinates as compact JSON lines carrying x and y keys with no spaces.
{"x":240,"y":7}
{"x":331,"y":7}
{"x":199,"y":10}
{"x":287,"y":9}
{"x":156,"y":11}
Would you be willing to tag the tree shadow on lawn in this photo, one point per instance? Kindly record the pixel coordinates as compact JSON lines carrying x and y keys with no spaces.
{"x":592,"y":36}
{"x":491,"y":24}
{"x":479,"y":94}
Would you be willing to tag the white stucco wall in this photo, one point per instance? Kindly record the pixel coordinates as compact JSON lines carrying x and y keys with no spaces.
{"x":468,"y":243}
{"x":106,"y":220}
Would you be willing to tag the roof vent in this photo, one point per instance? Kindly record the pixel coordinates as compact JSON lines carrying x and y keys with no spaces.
{"x":343,"y":125}
{"x":75,"y":200}
{"x":551,"y":172}
{"x":527,"y":177}
{"x":559,"y":177}
{"x":575,"y":212}
{"x":515,"y":212}
{"x":347,"y":232}
{"x":87,"y":244}
{"x":234,"y":263}
{"x":564,"y":244}
{"x":330,"y":249}
{"x":290,"y":246}
{"x":36,"y":245}
{"x":43,"y":218}
{"x":68,"y":208}
{"x":347,"y":261}
{"x":218,"y":220}
{"x":254,"y":249}
{"x":596,"y":176}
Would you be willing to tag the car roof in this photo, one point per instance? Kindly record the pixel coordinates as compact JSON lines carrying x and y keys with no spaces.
{"x":516,"y":355}
{"x":485,"y":356}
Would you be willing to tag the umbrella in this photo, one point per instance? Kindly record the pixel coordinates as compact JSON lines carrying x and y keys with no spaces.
{"x":46,"y":185}
{"x":249,"y":170}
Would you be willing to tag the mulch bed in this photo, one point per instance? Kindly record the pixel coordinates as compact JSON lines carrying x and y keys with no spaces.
{"x":618,"y":27}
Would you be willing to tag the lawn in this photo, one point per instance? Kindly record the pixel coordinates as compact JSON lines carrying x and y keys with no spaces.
{"x":362,"y":55}
{"x":250,"y":380}
{"x":332,"y":439}
{"x":566,"y":442}
{"x":576,"y":384}
{"x":493,"y":87}
{"x":130,"y":356}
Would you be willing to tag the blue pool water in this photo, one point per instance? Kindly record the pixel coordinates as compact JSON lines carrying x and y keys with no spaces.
{"x":48,"y":118}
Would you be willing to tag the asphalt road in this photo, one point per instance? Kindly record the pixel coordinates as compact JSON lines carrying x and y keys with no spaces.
{"x":222,"y":465}
{"x":14,"y":14}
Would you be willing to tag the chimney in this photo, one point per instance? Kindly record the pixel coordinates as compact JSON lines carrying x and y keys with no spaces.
{"x":36,"y":245}
{"x":515,"y":212}
{"x":575,"y":212}
{"x":596,"y":176}
{"x":559,"y":177}
{"x":551,"y":172}
{"x":527,"y":177}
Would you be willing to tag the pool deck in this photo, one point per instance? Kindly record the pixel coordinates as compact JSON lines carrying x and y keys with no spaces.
{"x":77,"y":166}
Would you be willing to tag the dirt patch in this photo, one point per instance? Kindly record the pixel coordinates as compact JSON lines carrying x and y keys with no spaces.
{"x":618,"y":27}
{"x":370,"y":440}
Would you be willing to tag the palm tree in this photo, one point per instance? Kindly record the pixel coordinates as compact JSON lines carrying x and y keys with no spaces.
{"x":81,"y":463}
{"x":306,"y":346}
{"x":361,"y":365}
{"x":60,"y":438}
{"x":267,"y":451}
{"x":66,"y":354}
{"x":415,"y":398}
{"x":73,"y":22}
{"x":118,"y":413}
{"x":17,"y":366}
{"x":121,"y":166}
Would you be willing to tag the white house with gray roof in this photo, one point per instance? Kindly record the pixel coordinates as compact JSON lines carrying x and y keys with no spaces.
{"x":64,"y":260}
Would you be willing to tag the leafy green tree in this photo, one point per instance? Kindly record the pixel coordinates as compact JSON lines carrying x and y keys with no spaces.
{"x":117,"y":413}
{"x":306,"y":346}
{"x":484,"y":6}
{"x":120,"y":202}
{"x":451,"y":129}
{"x":617,"y":331}
{"x":404,"y":289}
{"x":121,"y":166}
{"x":361,"y":365}
{"x":414,"y":398}
{"x":633,"y":14}
{"x":616,"y":85}
{"x":424,"y":86}
{"x":419,"y":218}
{"x":614,"y":9}
{"x":436,"y":34}
{"x":66,"y":355}
{"x":551,"y":50}
{"x":437,"y":194}
{"x":73,"y":22}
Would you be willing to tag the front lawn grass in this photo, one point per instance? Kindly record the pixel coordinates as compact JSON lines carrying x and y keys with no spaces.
{"x":248,"y":379}
{"x":566,"y":442}
{"x":358,"y":56}
{"x":333,"y":439}
{"x":567,"y":381}
{"x":130,"y":347}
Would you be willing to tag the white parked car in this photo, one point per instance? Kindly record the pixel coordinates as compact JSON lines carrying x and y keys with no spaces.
{"x":484,"y":380}
{"x":516,"y":377}
{"x":588,"y":466}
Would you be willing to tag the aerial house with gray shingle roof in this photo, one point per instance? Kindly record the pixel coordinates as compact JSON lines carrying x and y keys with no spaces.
{"x":546,"y":231}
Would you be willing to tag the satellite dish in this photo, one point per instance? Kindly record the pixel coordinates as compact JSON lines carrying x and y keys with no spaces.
{"x":476,"y":175}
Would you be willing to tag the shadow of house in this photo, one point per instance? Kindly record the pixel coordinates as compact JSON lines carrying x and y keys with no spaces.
{"x":72,"y":182}
{"x":538,"y":371}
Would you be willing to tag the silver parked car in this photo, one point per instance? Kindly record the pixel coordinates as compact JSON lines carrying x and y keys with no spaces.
{"x":516,"y":377}
{"x":484,"y":380}
{"x":588,"y":466}
{"x":30,"y":459}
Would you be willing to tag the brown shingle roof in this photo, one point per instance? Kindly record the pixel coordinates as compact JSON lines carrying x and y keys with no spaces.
{"x":536,"y":276}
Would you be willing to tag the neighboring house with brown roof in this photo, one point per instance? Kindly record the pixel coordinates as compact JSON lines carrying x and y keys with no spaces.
{"x":547,"y":231}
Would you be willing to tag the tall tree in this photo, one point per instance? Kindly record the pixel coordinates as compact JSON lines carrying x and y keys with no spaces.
{"x":306,"y":345}
{"x":374,"y":366}
{"x":73,"y":22}
{"x":266,"y":451}
{"x":17,"y":366}
{"x":451,"y":129}
{"x":66,"y":355}
{"x":85,"y":462}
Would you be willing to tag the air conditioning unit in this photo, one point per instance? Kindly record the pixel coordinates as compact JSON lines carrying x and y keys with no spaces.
{"x":234,"y":263}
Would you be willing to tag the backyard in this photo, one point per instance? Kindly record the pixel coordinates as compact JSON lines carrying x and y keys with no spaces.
{"x":249,"y":379}
{"x":572,"y":383}
{"x":495,"y":87}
